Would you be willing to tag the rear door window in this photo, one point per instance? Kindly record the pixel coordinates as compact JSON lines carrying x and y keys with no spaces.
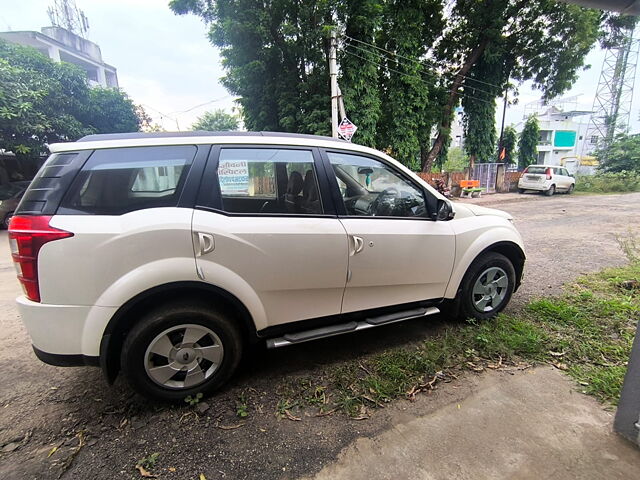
{"x":119,"y":180}
{"x":268,"y":180}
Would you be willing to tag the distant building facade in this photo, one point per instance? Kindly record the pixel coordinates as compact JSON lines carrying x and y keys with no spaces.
{"x":60,"y":44}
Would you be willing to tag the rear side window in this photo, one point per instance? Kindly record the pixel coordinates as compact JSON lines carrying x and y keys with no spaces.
{"x":119,"y":180}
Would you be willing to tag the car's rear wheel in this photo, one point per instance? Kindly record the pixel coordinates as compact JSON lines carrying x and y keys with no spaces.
{"x":571,"y":187}
{"x":521,"y":190}
{"x":551,"y":191}
{"x":180,"y":350}
{"x":487,"y":286}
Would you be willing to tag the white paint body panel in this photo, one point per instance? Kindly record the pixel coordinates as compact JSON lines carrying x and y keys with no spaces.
{"x":282,"y":268}
{"x":401,"y":261}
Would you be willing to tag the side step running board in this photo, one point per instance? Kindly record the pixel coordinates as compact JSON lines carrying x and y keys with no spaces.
{"x":339,"y":329}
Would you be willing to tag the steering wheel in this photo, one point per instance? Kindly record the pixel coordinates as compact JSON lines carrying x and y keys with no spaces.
{"x":387,"y":192}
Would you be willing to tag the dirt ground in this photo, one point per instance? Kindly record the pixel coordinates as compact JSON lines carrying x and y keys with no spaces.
{"x":48,"y":412}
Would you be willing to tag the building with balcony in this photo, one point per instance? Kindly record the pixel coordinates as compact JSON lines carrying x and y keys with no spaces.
{"x":59,"y":44}
{"x":563,"y":140}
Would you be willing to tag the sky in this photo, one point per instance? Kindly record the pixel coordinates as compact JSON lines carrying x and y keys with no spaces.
{"x":166,"y":63}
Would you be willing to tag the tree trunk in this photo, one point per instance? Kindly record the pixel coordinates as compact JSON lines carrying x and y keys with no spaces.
{"x":447,"y":111}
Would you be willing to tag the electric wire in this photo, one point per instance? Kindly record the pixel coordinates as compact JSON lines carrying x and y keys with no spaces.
{"x":450,"y":75}
{"x":416,"y":77}
{"x":433,"y":75}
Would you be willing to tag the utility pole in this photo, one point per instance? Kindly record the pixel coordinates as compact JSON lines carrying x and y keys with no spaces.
{"x":333,"y":73}
{"x":504,"y":112}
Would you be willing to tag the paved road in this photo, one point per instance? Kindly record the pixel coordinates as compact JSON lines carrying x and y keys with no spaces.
{"x":44,"y":407}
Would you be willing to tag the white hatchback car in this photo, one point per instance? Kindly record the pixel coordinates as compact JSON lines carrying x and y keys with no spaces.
{"x":165,"y":255}
{"x":548,"y":179}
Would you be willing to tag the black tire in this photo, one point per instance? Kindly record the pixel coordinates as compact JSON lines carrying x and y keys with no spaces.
{"x":139,"y":339}
{"x":570,"y":191}
{"x":551,"y":191}
{"x":521,"y":190}
{"x":479,"y":266}
{"x":7,"y":219}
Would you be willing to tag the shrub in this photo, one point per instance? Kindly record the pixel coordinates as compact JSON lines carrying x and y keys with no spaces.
{"x":609,"y":182}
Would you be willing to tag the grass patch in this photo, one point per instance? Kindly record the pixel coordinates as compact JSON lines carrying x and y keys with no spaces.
{"x":609,"y":183}
{"x":587,"y":331}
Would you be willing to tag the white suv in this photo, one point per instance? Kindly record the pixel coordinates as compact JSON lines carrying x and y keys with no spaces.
{"x":547,"y":179}
{"x":165,"y":255}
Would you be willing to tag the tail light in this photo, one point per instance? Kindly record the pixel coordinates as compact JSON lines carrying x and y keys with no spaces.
{"x":548,"y":172}
{"x":27,"y":235}
{"x":526,"y":170}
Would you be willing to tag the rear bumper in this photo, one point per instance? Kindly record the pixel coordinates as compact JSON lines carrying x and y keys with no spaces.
{"x":539,"y":186}
{"x":64,"y":330}
{"x":66,"y":360}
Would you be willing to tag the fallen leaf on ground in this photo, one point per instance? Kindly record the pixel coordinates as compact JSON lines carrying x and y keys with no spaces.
{"x":202,"y":477}
{"x":144,"y":472}
{"x":229,"y":427}
{"x":52,"y":451}
{"x":557,"y":354}
{"x":292,"y":417}
{"x":171,"y":469}
{"x":560,"y":366}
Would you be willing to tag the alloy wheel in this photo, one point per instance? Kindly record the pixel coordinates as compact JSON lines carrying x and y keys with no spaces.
{"x":183,"y":356}
{"x":490,"y":289}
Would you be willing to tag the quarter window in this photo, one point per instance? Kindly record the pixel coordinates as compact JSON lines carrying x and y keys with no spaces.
{"x":119,"y":180}
{"x":370,"y":188}
{"x":268,"y":180}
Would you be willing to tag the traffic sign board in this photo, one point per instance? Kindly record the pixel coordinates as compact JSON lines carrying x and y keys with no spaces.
{"x":346,"y":129}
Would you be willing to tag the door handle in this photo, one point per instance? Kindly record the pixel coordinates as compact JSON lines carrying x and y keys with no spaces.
{"x":358,"y":244}
{"x":206,"y":243}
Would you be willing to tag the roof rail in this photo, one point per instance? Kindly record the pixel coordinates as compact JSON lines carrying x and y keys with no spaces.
{"x":197,"y":133}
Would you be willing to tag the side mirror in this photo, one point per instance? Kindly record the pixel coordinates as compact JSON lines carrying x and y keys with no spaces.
{"x":445,"y":212}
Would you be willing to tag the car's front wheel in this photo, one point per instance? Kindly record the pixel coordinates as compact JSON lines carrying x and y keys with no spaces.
{"x":180,"y":350}
{"x":487,"y":286}
{"x":571,"y":187}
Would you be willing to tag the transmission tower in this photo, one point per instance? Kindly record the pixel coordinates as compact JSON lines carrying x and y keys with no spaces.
{"x":612,"y":104}
{"x":65,"y":14}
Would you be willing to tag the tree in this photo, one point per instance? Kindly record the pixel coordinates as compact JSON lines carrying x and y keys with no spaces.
{"x":216,"y":121}
{"x":110,"y":110}
{"x":275,"y":58}
{"x":43,"y":102}
{"x":623,"y":154}
{"x":509,"y":143}
{"x":404,"y":65}
{"x":529,"y":138}
{"x":544,"y":41}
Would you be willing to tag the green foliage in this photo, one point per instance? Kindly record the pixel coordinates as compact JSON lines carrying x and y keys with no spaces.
{"x":110,"y":110}
{"x":193,"y":400}
{"x":409,"y":27}
{"x":275,"y":56}
{"x":216,"y":121}
{"x":149,"y":461}
{"x":456,"y":161}
{"x":43,"y":102}
{"x":609,"y":182}
{"x":622,"y":155}
{"x":509,"y":142}
{"x":529,"y":138}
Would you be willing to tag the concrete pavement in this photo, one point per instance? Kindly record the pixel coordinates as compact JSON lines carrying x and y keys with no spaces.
{"x":531,"y":425}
